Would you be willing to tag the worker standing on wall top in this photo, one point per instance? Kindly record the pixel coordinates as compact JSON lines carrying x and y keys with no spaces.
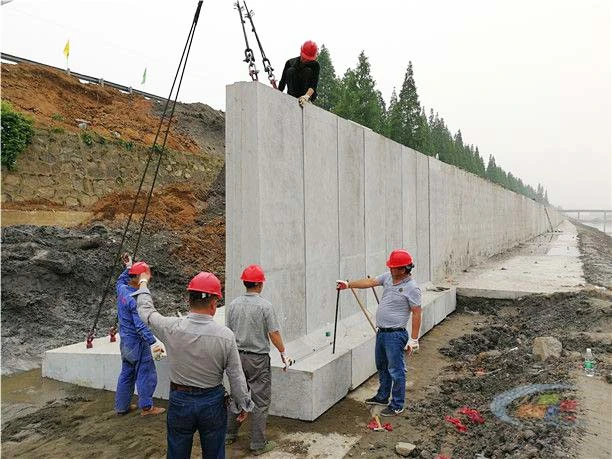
{"x":401,"y":297}
{"x":199,"y":351}
{"x":255,"y":324}
{"x":136,"y":344}
{"x":301,"y":74}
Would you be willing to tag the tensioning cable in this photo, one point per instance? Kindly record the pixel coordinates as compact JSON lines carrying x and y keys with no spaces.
{"x":266,"y":62}
{"x":154,"y":148}
{"x":249,"y":57}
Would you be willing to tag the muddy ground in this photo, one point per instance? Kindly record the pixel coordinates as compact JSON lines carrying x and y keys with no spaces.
{"x":54,"y":279}
{"x":481,"y":350}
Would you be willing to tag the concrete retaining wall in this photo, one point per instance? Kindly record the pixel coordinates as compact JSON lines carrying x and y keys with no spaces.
{"x":314,"y":198}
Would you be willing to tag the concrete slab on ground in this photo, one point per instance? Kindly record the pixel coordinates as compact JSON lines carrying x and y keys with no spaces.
{"x":546,"y":264}
{"x":316,"y":382}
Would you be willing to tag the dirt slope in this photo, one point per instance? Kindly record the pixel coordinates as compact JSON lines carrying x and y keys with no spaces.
{"x":54,"y":98}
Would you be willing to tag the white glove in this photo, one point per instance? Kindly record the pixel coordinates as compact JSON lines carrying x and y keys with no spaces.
{"x":413,"y":345}
{"x":341,"y":285}
{"x":286,"y":360}
{"x":158,"y":350}
{"x":303,"y":100}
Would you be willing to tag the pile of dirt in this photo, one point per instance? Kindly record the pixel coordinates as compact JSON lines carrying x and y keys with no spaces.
{"x":193,"y":218}
{"x":595,"y":254}
{"x":497,"y":357}
{"x":55,"y":99}
{"x":53,"y":280}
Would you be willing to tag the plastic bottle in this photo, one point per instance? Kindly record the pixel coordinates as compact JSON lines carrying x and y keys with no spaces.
{"x":327,"y":330}
{"x":589,"y":363}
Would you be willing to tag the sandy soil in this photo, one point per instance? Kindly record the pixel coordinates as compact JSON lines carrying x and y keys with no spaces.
{"x":53,"y":98}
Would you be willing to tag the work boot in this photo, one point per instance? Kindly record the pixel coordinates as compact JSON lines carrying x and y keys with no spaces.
{"x":152,"y":411}
{"x":129,"y":410}
{"x":269,"y":446}
{"x":375,"y":401}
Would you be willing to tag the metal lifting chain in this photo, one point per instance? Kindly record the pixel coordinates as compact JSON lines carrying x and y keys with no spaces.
{"x":181,"y":69}
{"x":249,"y":57}
{"x":266,"y":62}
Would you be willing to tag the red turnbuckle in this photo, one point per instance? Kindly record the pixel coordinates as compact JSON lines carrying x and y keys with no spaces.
{"x":90,"y":338}
{"x":112,"y":332}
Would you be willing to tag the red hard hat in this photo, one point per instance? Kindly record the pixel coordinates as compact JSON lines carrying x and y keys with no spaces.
{"x":138,"y":268}
{"x":309,"y":51}
{"x":253,"y":273}
{"x":399,"y":258}
{"x":205,"y":283}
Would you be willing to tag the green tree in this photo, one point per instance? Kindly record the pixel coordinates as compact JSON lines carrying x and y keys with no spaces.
{"x":359,"y":100}
{"x":393,"y":121}
{"x":407,"y":127}
{"x":329,"y":85}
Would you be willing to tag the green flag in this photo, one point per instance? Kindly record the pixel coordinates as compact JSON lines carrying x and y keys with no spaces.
{"x":144,"y":76}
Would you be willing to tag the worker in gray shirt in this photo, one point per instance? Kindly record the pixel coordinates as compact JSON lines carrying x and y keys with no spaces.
{"x":254,"y":323}
{"x":401,"y":297}
{"x":199,"y":351}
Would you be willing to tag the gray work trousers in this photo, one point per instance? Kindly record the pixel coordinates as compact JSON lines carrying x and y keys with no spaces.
{"x":256,"y":369}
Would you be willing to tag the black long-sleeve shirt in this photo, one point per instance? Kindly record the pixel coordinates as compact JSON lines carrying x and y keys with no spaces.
{"x":298,"y":76}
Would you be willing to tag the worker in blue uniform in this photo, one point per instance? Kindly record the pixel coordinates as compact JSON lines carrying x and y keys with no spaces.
{"x":136,"y":345}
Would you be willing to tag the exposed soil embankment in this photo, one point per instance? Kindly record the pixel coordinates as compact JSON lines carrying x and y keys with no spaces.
{"x":56,"y":99}
{"x":53,"y":278}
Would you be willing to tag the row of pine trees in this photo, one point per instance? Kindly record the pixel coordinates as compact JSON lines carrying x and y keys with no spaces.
{"x":355,"y":97}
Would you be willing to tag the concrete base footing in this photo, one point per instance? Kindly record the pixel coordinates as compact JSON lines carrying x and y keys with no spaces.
{"x":313,"y":384}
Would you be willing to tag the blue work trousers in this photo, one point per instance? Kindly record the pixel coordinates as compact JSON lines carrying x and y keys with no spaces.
{"x":203,"y":411}
{"x":389,"y":355}
{"x":137,"y":369}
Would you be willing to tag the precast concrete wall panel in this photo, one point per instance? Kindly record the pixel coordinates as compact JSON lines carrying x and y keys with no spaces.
{"x":409,"y":205}
{"x":422,"y":257}
{"x":242,"y":187}
{"x":351,"y":205}
{"x":393,"y":196}
{"x":281,"y":180}
{"x":376,"y":167}
{"x":321,"y":214}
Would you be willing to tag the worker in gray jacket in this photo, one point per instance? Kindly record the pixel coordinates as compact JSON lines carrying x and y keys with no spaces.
{"x":255,"y":324}
{"x":199,"y":351}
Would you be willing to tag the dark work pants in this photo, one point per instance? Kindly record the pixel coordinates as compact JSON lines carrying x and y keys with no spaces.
{"x":204,"y":412}
{"x":256,"y":369}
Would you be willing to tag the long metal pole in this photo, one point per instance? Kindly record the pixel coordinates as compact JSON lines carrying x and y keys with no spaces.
{"x":336,"y":321}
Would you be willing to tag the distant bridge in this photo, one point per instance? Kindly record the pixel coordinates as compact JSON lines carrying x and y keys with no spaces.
{"x":605,"y":213}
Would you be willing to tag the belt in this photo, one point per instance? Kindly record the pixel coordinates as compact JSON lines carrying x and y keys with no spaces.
{"x":192,"y":389}
{"x":386,"y":330}
{"x":240,"y":351}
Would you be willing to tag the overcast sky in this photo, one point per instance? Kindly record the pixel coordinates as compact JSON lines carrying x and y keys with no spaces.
{"x":526,"y":81}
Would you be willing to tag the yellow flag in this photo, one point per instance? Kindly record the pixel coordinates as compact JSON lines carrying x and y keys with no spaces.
{"x":67,"y":49}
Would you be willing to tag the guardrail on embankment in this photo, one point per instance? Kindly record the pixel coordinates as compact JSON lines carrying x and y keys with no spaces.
{"x":88,"y":78}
